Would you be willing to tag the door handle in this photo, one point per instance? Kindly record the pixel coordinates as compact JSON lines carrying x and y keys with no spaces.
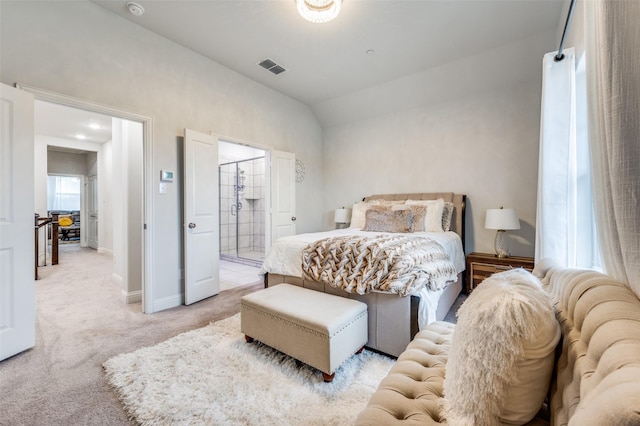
{"x":293,"y":218}
{"x":192,"y":225}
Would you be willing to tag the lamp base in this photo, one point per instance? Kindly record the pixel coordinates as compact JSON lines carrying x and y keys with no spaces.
{"x":500,"y":244}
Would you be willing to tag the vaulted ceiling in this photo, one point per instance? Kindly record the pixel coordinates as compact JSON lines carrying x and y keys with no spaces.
{"x":371,"y":42}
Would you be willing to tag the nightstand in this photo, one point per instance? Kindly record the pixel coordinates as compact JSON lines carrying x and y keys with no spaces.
{"x":482,"y":265}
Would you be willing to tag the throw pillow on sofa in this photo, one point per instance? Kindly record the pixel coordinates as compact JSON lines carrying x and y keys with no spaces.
{"x":502,"y":352}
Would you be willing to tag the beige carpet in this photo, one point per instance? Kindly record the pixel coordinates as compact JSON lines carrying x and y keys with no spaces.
{"x":211,"y":376}
{"x":80,"y":323}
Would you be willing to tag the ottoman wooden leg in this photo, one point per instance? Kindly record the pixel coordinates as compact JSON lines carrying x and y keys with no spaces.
{"x":328,"y":377}
{"x":360,"y":350}
{"x":248,"y":339}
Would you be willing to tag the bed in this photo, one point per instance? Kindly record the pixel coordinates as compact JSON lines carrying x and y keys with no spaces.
{"x":393,"y":319}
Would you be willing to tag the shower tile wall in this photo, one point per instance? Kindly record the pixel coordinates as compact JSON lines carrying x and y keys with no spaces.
{"x":227,"y":221}
{"x":250,"y":228}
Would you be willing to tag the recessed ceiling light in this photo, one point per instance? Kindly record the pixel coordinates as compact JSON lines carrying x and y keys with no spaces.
{"x":80,"y":136}
{"x":94,"y":126}
{"x":135,"y":8}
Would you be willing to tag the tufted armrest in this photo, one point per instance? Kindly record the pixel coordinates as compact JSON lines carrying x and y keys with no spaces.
{"x":412,"y":392}
{"x":598,"y":372}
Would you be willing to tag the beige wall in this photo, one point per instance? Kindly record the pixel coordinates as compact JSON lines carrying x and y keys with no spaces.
{"x":481,"y":141}
{"x":82,"y":50}
{"x":61,"y":163}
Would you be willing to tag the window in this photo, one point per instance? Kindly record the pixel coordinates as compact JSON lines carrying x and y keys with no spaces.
{"x":587,"y":248}
{"x":63,"y":193}
{"x":565,"y":223}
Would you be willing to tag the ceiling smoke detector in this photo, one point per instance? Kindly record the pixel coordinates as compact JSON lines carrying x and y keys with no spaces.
{"x":135,"y":8}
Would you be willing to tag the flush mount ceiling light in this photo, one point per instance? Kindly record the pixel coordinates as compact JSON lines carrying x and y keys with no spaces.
{"x":135,"y":8}
{"x":319,"y":11}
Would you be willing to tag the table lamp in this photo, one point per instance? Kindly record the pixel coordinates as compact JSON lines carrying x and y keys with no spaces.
{"x":342,"y":217}
{"x":502,"y":220}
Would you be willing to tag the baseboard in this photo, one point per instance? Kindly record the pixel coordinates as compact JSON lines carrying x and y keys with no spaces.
{"x":131,"y":296}
{"x":167,"y":302}
{"x":105,"y":251}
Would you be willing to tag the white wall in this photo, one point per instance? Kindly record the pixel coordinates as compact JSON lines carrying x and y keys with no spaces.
{"x":105,"y":205}
{"x":471,"y":126}
{"x":82,"y":50}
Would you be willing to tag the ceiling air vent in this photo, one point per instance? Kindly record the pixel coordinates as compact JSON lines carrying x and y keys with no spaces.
{"x":269,"y":65}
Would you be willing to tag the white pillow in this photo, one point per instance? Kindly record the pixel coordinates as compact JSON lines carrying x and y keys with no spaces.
{"x":433,"y":218}
{"x":502,"y":352}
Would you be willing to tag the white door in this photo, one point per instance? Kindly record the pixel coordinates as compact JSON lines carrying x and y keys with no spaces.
{"x":201,"y":213}
{"x":92,"y":211}
{"x":17,"y":258}
{"x":283,"y":194}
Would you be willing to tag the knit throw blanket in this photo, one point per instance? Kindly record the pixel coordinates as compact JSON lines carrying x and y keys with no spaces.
{"x":397,"y":264}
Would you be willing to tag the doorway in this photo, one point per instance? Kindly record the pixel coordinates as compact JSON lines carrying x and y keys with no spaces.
{"x":242,"y":181}
{"x":116,"y":174}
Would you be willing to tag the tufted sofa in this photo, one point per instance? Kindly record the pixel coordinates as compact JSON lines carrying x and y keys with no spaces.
{"x":597,"y":371}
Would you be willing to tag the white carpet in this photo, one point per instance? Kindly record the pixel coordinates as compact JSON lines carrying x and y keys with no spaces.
{"x":212,"y":376}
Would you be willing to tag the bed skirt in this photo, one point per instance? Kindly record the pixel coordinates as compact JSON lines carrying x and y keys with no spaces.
{"x":393,"y":320}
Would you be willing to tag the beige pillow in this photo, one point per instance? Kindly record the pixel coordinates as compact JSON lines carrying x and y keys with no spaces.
{"x":358,"y":212}
{"x":418,"y":215}
{"x":387,"y":220}
{"x":433,"y":217}
{"x":502,"y":352}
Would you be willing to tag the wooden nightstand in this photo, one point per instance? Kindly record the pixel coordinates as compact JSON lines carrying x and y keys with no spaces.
{"x":482,"y":265}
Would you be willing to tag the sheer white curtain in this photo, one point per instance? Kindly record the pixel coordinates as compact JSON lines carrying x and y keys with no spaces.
{"x":556,"y":208}
{"x":613,"y":79}
{"x":63,"y":193}
{"x":565,"y":224}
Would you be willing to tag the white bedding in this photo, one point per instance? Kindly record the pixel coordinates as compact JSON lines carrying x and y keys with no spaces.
{"x":285,"y":258}
{"x":285,"y":255}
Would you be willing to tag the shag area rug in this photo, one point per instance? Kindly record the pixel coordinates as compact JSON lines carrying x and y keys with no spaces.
{"x":212,"y":376}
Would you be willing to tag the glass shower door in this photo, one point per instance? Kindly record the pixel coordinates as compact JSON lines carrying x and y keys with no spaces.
{"x":228,"y":226}
{"x":242,"y":210}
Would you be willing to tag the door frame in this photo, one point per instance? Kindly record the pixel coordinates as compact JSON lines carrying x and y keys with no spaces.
{"x":147,"y":138}
{"x":83,"y":208}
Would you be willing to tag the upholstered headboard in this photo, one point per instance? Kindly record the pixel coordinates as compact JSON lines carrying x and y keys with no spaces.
{"x":458,"y":200}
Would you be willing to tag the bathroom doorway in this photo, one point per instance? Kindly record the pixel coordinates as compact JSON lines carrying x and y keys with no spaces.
{"x":242,"y":193}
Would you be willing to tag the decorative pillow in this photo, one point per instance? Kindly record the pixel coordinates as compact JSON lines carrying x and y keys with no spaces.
{"x":447,"y":215}
{"x":387,"y":220}
{"x":65,"y":221}
{"x":502,"y":352}
{"x":418,"y":215}
{"x":358,"y":212}
{"x":433,"y":218}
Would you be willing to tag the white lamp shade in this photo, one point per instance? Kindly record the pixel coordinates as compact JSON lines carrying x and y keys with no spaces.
{"x":504,"y":219}
{"x":342,"y":216}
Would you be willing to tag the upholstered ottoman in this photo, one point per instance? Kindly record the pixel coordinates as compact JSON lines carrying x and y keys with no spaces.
{"x":316,"y":328}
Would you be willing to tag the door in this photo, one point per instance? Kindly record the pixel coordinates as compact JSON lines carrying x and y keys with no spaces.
{"x":201,"y":246}
{"x":283,"y":194}
{"x":17,"y":259}
{"x":92,"y":211}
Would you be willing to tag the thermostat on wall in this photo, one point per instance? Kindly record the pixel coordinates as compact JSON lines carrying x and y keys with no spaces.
{"x":166,"y":176}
